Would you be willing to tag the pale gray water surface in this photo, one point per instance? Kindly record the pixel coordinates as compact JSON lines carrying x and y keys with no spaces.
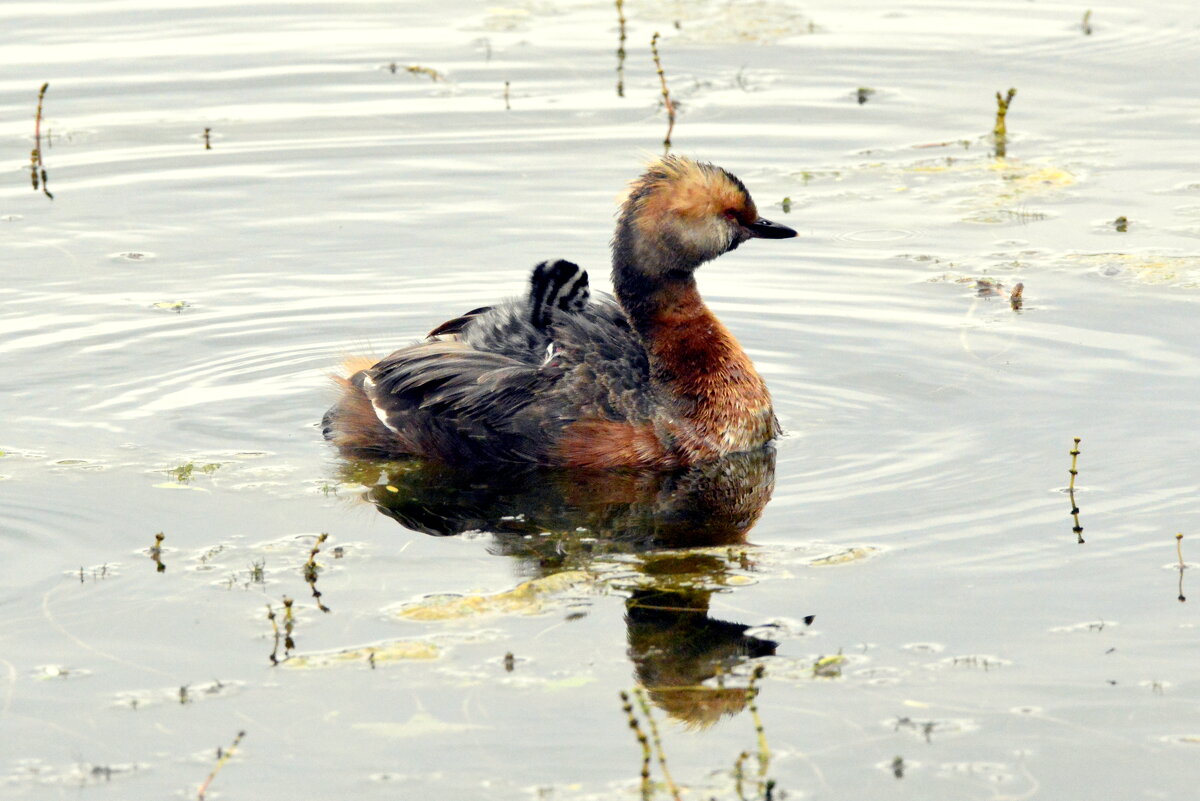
{"x":176,"y":305}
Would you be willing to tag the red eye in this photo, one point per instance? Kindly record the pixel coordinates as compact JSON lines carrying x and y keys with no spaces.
{"x":731,"y":214}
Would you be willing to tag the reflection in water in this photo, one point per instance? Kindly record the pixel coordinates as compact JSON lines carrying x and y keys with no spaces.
{"x":629,"y":528}
{"x":675,"y":647}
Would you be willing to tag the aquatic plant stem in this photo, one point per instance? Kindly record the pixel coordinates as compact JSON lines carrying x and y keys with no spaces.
{"x":647,"y":789}
{"x":739,"y":774}
{"x":1078,"y":529}
{"x":37,"y":168}
{"x":1182,"y":564}
{"x":644,"y":704}
{"x":222,"y":758}
{"x":662,"y":79}
{"x":156,"y":552}
{"x":37,"y":123}
{"x":312,"y":570}
{"x":1074,"y":462}
{"x":621,"y":48}
{"x":275,"y":630}
{"x":764,"y":750}
{"x":1000,"y":130}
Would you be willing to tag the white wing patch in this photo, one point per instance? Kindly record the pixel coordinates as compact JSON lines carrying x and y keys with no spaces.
{"x":369,"y":391}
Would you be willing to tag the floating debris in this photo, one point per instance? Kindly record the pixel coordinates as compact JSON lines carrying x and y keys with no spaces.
{"x":863,"y":94}
{"x":417,"y":69}
{"x":829,"y":667}
{"x":1016,"y":298}
{"x":1121,"y":224}
{"x":176,"y":306}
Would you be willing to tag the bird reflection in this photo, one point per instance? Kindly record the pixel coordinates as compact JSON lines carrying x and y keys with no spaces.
{"x":658,"y":522}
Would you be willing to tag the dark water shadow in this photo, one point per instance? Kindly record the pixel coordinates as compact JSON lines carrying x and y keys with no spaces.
{"x":667,"y":528}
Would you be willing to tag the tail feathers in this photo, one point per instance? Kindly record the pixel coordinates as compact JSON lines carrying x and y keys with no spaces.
{"x":556,"y":287}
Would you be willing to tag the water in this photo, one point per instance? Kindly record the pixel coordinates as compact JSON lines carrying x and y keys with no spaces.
{"x":176,"y":306}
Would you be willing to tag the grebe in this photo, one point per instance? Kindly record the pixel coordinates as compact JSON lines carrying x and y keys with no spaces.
{"x":650,"y":378}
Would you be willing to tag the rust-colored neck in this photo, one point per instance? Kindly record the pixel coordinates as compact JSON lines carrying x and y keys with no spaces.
{"x":701,"y":366}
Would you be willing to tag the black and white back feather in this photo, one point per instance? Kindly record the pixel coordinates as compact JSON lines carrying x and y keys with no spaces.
{"x":502,"y":382}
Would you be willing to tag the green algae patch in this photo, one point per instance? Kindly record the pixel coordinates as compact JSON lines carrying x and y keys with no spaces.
{"x":421,"y":724}
{"x":532,"y":597}
{"x":993,"y":191}
{"x":718,"y":22}
{"x":845,"y":557}
{"x":370,"y":656}
{"x":1146,"y":268}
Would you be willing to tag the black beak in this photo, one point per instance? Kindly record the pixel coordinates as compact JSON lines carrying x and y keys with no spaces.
{"x":765,"y":229}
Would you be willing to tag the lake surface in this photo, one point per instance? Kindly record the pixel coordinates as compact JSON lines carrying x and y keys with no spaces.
{"x":929,"y":624}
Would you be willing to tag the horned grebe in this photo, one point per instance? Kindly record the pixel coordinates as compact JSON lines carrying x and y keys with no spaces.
{"x":650,"y":378}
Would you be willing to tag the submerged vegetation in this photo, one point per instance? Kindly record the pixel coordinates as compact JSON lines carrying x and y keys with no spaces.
{"x":183,"y":473}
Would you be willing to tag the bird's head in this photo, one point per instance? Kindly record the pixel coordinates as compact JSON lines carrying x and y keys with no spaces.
{"x":681,"y":213}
